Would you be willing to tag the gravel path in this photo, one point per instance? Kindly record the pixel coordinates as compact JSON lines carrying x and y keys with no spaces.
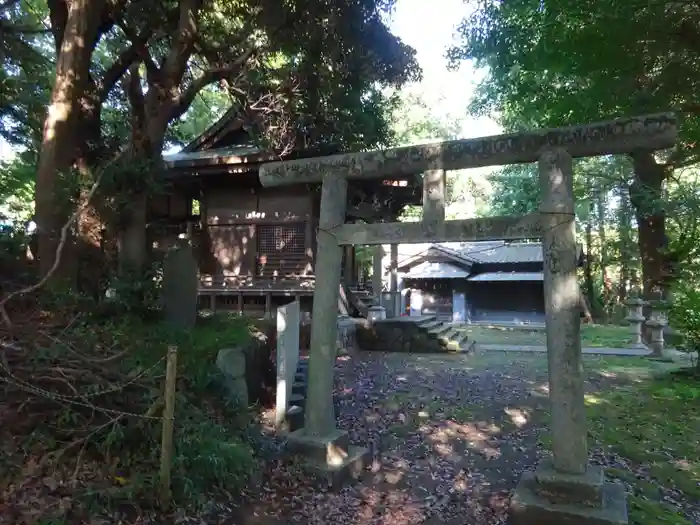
{"x":451,"y":436}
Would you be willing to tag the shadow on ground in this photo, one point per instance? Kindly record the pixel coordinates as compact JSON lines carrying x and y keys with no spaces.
{"x":451,"y":436}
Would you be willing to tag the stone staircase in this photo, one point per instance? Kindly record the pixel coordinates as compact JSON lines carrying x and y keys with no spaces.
{"x":354,"y":301}
{"x":420,"y":335}
{"x":453,"y":339}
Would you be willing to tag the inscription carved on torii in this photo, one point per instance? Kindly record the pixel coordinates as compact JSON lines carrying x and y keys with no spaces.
{"x":546,"y":494}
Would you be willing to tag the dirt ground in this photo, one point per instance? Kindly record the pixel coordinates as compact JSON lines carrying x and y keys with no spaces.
{"x":451,"y":436}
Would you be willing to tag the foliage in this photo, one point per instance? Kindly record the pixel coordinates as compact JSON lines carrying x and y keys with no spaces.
{"x":685,"y":317}
{"x":415,"y":119}
{"x":555,"y":63}
{"x":16,"y":189}
{"x":25,"y":68}
{"x":100,"y":414}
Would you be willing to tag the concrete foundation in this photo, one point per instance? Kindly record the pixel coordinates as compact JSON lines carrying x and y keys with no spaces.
{"x":330,"y":459}
{"x":547,"y":497}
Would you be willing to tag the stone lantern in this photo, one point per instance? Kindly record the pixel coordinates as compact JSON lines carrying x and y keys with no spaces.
{"x":658,"y":320}
{"x":635,"y":317}
{"x":376,"y":313}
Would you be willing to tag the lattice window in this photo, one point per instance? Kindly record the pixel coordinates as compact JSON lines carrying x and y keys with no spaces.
{"x":283,"y":239}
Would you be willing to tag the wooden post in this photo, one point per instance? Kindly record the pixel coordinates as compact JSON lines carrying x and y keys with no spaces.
{"x":268,"y":305}
{"x":394,"y":281}
{"x":377,"y":272}
{"x":561,"y":295}
{"x":348,"y":265}
{"x":166,"y":446}
{"x":320,"y":414}
{"x":239,"y":304}
{"x":309,"y":246}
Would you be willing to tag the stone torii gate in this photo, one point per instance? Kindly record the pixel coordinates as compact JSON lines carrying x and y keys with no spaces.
{"x":567,"y":488}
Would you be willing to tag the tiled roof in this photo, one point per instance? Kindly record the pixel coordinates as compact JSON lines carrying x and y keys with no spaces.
{"x":436,"y":270}
{"x":495,"y":252}
{"x":507,"y":276}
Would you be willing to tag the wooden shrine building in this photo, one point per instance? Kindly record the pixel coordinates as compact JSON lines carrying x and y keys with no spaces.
{"x":256,"y":246}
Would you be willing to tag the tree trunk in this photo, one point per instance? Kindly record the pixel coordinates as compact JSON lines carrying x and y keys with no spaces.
{"x":588,"y":259}
{"x":627,"y":256}
{"x":151,"y":114}
{"x":646,"y":196}
{"x":59,"y":139}
{"x":603,"y":256}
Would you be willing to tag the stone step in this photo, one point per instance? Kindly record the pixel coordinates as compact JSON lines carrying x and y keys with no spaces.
{"x":430,"y":324}
{"x":441,"y":330}
{"x":460,"y":342}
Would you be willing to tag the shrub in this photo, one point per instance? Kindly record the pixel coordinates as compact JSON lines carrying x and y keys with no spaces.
{"x":110,"y":373}
{"x":685,"y":316}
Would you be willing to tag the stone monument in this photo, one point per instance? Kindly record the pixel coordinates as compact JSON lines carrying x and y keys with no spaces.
{"x":180,"y":284}
{"x":288,"y":322}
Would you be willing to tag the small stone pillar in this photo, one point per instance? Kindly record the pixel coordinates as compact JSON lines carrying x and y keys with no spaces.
{"x":635,"y":317}
{"x":657,"y":322}
{"x":566,"y":489}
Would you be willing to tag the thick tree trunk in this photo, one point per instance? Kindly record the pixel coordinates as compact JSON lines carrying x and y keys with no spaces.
{"x":151,"y":114}
{"x":59,"y":140}
{"x":646,"y":196}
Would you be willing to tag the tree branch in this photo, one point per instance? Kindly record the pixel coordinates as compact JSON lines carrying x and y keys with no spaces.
{"x":183,"y":43}
{"x":152,"y":69}
{"x":209,"y":77}
{"x":58,"y":15}
{"x":136,"y":98}
{"x":120,"y":66}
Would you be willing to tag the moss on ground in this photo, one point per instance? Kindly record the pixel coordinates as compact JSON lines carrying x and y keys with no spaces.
{"x":593,"y":336}
{"x":652,"y":425}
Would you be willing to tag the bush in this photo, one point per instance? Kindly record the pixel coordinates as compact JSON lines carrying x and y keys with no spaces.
{"x":87,"y":417}
{"x":685,"y":316}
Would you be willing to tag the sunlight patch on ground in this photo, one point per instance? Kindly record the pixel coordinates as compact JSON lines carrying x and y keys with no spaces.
{"x":591,"y":399}
{"x":518,"y":416}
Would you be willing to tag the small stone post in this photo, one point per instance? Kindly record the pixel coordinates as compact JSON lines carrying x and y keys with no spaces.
{"x":657,"y":322}
{"x":326,"y":448}
{"x":566,"y":489}
{"x":635,"y":318}
{"x":288,"y":324}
